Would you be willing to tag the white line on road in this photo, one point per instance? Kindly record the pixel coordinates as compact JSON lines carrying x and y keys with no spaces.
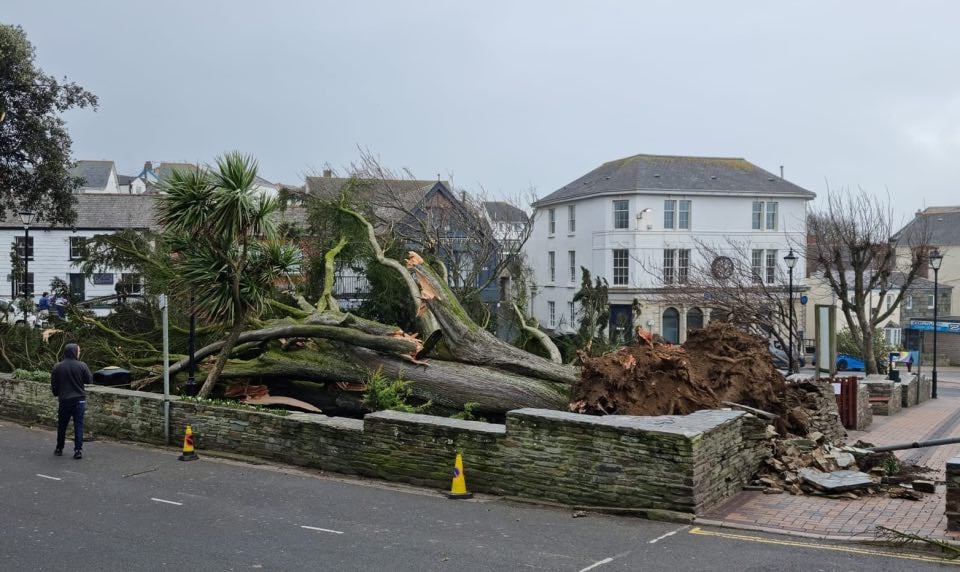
{"x":595,"y":564}
{"x":671,"y":533}
{"x":320,"y":529}
{"x":605,"y":561}
{"x":49,"y":477}
{"x":166,"y":501}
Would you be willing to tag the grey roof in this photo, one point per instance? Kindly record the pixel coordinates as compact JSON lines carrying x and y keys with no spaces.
{"x":500,"y":211}
{"x":942,"y":224}
{"x":125,"y":179}
{"x":107,"y":211}
{"x":388,"y":198}
{"x":675,"y":174}
{"x":95,"y":174}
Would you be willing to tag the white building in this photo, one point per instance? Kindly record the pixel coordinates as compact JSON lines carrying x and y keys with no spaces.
{"x":51,"y":250}
{"x":637,"y":222}
{"x":98,"y":177}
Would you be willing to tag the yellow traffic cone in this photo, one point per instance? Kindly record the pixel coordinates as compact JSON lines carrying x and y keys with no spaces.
{"x":188,"y":453}
{"x":458,"y":489}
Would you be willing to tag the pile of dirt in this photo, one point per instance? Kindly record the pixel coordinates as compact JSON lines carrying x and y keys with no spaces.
{"x":718,"y":363}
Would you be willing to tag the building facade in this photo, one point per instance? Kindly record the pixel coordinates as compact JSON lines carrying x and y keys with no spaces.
{"x":644,"y":222}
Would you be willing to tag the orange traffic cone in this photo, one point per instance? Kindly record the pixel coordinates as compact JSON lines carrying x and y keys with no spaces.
{"x":458,"y":489}
{"x":188,"y":453}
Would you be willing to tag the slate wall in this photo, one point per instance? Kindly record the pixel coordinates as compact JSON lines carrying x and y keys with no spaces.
{"x":685,"y":463}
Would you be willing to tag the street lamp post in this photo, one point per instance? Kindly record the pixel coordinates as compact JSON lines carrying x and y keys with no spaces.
{"x":791,"y":260}
{"x":191,"y":387}
{"x":26,"y":217}
{"x":936,"y":259}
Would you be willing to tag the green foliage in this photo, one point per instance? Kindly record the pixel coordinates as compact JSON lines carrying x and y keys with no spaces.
{"x":32,"y":375}
{"x":34,"y":143}
{"x":233,"y":404}
{"x":389,"y":394}
{"x":594,"y":302}
{"x":468,"y":413}
{"x":391,"y":303}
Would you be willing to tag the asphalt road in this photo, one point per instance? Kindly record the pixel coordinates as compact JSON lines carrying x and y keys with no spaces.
{"x":126,"y":507}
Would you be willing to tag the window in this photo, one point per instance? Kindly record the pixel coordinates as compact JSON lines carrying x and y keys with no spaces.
{"x":78,"y":247}
{"x":756,"y":263}
{"x":771,"y":266}
{"x":552,"y":264}
{"x":621,"y":267}
{"x":131,"y":283}
{"x":572,"y":218}
{"x":573,"y":314}
{"x":764,"y":215}
{"x":909,"y":300}
{"x":890,"y":298}
{"x":930,"y":301}
{"x":757,"y":215}
{"x":892,"y":336}
{"x":683,"y":266}
{"x":78,"y":283}
{"x":669,"y":268}
{"x":18,"y":286}
{"x":674,"y":218}
{"x":20,"y":243}
{"x":683,"y":221}
{"x":572,"y":254}
{"x":552,"y":219}
{"x":771,"y":215}
{"x":552,"y":312}
{"x":504,"y":287}
{"x":621,"y":214}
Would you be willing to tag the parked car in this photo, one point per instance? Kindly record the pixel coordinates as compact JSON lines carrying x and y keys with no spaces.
{"x":780,"y":358}
{"x":10,"y":313}
{"x":846,"y":362}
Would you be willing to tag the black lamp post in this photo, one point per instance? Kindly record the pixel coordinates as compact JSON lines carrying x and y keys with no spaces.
{"x":191,"y":388}
{"x":791,"y":260}
{"x":26,"y":217}
{"x":936,"y":259}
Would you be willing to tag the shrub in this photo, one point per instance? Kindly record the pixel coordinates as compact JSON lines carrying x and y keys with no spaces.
{"x":389,"y":394}
{"x":32,"y":375}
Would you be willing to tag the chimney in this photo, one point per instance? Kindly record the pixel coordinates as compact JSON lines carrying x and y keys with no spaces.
{"x":327,"y":173}
{"x":781,"y":171}
{"x":148,"y":166}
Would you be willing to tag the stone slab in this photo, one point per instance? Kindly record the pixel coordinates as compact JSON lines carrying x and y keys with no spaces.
{"x":837,"y":481}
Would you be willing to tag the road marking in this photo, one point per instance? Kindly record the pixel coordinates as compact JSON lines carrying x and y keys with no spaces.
{"x":49,"y":477}
{"x":321,"y":529}
{"x":667,"y":535}
{"x":866,"y":551}
{"x":166,"y":501}
{"x":605,"y":561}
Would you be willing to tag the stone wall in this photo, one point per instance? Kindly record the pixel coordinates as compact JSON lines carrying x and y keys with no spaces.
{"x":864,"y":411}
{"x":924,"y":387}
{"x":908,"y":391}
{"x":677,"y":463}
{"x":885,"y":396}
{"x":953,"y":494}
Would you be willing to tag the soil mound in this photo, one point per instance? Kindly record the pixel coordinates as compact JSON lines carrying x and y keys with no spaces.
{"x":718,"y":363}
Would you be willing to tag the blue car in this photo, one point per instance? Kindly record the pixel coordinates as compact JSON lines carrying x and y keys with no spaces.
{"x":846,"y":362}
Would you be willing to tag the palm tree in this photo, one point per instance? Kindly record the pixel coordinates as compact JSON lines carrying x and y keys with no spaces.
{"x":225,"y":244}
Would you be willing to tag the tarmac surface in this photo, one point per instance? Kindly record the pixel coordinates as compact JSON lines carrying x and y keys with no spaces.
{"x":130,"y":507}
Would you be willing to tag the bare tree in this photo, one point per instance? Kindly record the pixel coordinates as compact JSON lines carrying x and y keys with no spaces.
{"x":722,"y":277}
{"x":852,"y":243}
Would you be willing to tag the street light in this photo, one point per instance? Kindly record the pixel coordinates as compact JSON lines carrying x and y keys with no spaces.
{"x":936,"y":259}
{"x":791,"y":260}
{"x":26,"y":217}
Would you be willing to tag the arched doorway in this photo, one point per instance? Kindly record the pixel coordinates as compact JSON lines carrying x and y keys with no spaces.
{"x":671,"y":325}
{"x":694,"y":320}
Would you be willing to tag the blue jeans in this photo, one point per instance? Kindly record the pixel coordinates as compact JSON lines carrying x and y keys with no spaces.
{"x":68,"y":409}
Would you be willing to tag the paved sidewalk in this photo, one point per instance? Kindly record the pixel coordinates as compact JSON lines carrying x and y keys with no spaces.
{"x":856,"y":519}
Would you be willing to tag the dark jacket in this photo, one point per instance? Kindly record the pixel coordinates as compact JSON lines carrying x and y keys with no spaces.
{"x":69,"y":376}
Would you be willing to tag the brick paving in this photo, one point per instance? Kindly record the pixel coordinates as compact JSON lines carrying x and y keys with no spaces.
{"x":857,"y":519}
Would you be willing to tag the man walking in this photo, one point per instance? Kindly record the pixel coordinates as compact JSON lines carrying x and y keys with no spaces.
{"x":67,"y":382}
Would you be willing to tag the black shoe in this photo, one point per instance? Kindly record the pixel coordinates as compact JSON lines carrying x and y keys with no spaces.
{"x":58,"y":452}
{"x":77,"y":455}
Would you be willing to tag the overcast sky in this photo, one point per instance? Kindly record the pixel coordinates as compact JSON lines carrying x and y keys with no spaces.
{"x":512,"y":95}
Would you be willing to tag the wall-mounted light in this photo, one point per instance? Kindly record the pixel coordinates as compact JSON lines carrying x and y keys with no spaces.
{"x":640,"y":216}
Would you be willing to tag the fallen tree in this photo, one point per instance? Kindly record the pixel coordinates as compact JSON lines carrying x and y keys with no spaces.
{"x":450,"y":361}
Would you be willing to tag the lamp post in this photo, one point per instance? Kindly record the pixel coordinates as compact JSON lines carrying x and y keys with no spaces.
{"x":791,"y":260}
{"x":191,"y":386}
{"x":26,"y":217}
{"x":936,"y":259}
